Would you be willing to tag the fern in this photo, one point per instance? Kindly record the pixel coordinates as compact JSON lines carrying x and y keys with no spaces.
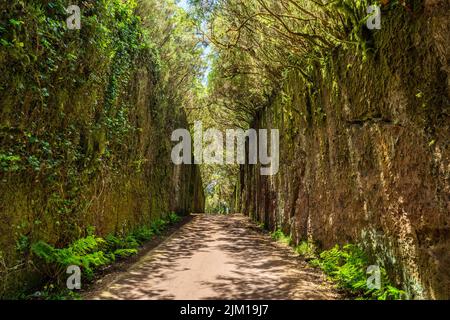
{"x":87,"y":245}
{"x":92,"y":253}
{"x":84,"y":253}
{"x":158,"y":225}
{"x":347,"y":267}
{"x":125,"y":253}
{"x":143,"y":234}
{"x":173,"y":218}
{"x":306,"y":249}
{"x":279,"y":235}
{"x":44,"y":251}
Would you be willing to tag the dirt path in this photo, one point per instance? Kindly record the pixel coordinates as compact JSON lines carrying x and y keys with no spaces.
{"x":218,"y":257}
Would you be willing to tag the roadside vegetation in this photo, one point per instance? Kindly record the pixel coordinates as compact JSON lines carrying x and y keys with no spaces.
{"x":92,"y":254}
{"x":85,"y":123}
{"x":346,"y":266}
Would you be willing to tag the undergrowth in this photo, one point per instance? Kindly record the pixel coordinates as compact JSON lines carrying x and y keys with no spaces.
{"x":91,"y":254}
{"x":279,"y":236}
{"x":347,"y":267}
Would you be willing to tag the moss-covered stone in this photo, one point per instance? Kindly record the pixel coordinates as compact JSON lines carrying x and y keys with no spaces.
{"x":365,"y":152}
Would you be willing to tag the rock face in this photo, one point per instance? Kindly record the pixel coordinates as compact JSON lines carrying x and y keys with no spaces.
{"x":140,"y":184}
{"x":365,"y":155}
{"x":84,"y":140}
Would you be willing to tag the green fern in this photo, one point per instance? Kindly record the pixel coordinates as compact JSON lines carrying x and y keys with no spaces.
{"x":278,"y":235}
{"x":306,"y":250}
{"x":173,"y":218}
{"x":347,"y":267}
{"x":92,"y":253}
{"x":143,"y":234}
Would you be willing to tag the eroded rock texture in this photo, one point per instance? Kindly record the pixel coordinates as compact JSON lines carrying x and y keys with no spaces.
{"x":111,"y":187}
{"x":365,"y":154}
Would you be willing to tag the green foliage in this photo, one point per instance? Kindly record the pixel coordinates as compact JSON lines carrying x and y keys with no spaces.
{"x":284,"y":36}
{"x":47,"y":63}
{"x":158,"y":225}
{"x":86,"y":253}
{"x":173,"y":218}
{"x":22,"y":244}
{"x":125,"y":253}
{"x":10,"y":162}
{"x":220,"y":181}
{"x":306,"y":249}
{"x":348,"y":267}
{"x":278,"y":235}
{"x":52,"y":292}
{"x":141,"y":235}
{"x":92,"y":253}
{"x":65,"y":115}
{"x":84,"y":113}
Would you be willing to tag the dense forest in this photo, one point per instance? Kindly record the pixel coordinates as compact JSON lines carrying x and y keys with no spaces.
{"x":358,"y":89}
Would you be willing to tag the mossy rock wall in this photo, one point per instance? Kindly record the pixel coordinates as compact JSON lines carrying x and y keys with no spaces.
{"x":365,"y":155}
{"x":84,"y":132}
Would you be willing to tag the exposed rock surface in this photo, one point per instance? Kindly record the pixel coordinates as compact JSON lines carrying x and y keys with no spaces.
{"x":136,"y":183}
{"x":365,"y":154}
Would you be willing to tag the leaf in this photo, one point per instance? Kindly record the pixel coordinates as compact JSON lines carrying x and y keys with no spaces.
{"x":15,"y":22}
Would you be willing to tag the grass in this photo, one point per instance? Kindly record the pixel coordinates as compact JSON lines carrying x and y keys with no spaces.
{"x":347,"y":267}
{"x":91,"y":254}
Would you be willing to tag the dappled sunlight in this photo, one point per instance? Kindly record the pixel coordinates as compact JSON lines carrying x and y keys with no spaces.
{"x":220,"y":257}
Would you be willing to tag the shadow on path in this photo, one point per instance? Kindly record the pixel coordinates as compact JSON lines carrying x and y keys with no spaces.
{"x":220,"y":257}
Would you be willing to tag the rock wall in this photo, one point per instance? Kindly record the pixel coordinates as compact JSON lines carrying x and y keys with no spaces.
{"x":365,"y":155}
{"x":84,"y":133}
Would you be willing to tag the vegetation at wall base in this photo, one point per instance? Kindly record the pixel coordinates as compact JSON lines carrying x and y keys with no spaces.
{"x":85,"y":124}
{"x":362,"y":112}
{"x":91,"y":254}
{"x":345,"y":266}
